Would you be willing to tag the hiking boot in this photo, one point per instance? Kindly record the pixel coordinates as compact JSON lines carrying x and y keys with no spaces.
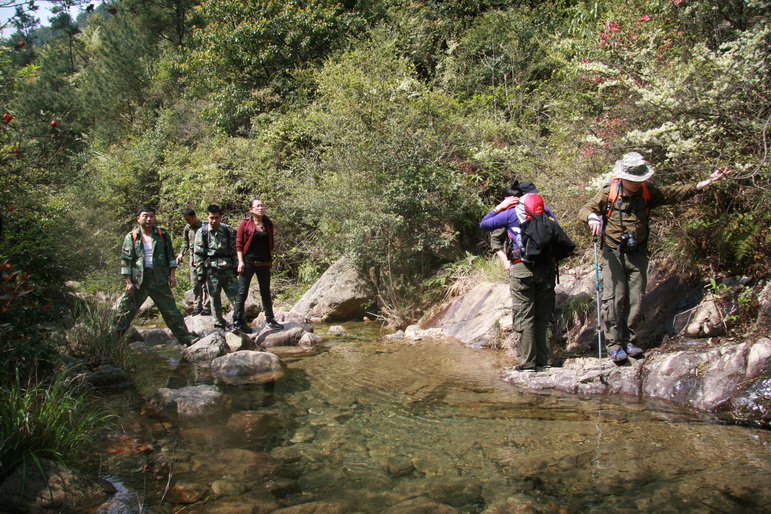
{"x":274,"y":325}
{"x":633,"y":351}
{"x":618,"y":355}
{"x":195,"y":312}
{"x":205,"y":312}
{"x":526,"y":370}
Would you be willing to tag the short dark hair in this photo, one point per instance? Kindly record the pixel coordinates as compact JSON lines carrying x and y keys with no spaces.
{"x":145,"y":208}
{"x":188,"y":212}
{"x":214,"y":209}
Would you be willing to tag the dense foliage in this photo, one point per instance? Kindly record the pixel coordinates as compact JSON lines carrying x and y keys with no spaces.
{"x":383,"y":129}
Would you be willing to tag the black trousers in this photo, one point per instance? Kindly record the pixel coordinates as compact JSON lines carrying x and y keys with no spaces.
{"x":263,"y":280}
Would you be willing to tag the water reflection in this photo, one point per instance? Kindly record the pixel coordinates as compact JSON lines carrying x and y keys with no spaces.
{"x":384,"y":426}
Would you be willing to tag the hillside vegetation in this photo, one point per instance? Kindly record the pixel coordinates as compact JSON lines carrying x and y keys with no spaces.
{"x":381,"y":129}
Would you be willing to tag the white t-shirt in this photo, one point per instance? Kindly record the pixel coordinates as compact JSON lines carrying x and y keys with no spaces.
{"x":148,"y":253}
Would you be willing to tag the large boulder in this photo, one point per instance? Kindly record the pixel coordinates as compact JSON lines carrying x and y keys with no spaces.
{"x":291,"y":335}
{"x":200,"y":325}
{"x":108,"y":378}
{"x":706,"y":377}
{"x":58,"y":489}
{"x":764,"y":307}
{"x":342,"y":293}
{"x":478,"y":317}
{"x":188,"y":402}
{"x":730,"y":379}
{"x":247,"y":367}
{"x":206,"y":349}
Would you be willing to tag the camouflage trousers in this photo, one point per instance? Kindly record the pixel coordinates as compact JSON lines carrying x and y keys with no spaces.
{"x":200,"y":296}
{"x":129,"y":304}
{"x":532,"y":293}
{"x":217,"y":281}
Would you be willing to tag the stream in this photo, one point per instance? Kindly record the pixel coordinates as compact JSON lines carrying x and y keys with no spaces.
{"x":370,"y":425}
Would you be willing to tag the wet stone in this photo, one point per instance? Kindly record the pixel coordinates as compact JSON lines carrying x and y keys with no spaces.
{"x":399,"y":466}
{"x":188,"y":402}
{"x":303,"y":435}
{"x":183,"y":493}
{"x":255,"y":501}
{"x":282,"y":487}
{"x":434,"y":464}
{"x":156,"y":336}
{"x":420,"y":506}
{"x":255,"y":425}
{"x":228,"y":486}
{"x":318,"y":507}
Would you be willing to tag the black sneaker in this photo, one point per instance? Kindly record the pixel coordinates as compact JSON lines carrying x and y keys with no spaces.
{"x":195,"y":312}
{"x":205,"y":312}
{"x":244,"y":329}
{"x":543,"y":368}
{"x":274,"y":325}
{"x":526,"y":370}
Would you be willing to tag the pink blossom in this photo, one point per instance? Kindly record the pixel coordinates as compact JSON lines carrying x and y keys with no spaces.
{"x":644,"y":18}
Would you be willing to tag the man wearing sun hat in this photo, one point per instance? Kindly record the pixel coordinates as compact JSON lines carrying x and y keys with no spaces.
{"x":619,"y":213}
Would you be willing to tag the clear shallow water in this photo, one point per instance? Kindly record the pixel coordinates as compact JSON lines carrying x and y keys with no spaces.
{"x":368,"y":425}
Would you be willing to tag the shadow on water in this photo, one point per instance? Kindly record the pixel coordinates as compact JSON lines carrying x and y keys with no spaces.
{"x":368,"y":425}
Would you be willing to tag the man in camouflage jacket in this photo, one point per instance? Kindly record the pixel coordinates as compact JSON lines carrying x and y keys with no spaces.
{"x":215,"y":261}
{"x":148,"y":267}
{"x":200,"y":297}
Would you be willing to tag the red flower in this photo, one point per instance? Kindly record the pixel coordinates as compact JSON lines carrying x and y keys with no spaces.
{"x":7,"y":117}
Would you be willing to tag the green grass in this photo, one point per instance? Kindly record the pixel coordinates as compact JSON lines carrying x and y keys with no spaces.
{"x":49,"y":420}
{"x":93,"y":337}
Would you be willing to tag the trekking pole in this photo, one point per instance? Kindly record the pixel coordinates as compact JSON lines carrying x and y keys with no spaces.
{"x":599,"y":305}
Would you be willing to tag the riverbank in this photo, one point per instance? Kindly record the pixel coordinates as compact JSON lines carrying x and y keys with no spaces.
{"x":726,"y":375}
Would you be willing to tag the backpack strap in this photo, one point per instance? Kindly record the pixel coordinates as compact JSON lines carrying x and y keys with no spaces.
{"x":615,"y":192}
{"x":205,"y":229}
{"x":135,"y":235}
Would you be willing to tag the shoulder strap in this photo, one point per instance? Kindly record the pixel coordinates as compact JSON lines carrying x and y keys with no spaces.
{"x":615,"y":187}
{"x":135,"y":235}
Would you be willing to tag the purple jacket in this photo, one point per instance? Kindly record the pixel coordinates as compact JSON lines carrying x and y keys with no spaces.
{"x":507,"y":219}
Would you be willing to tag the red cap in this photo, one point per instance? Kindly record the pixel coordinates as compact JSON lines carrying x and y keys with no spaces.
{"x":533,"y":204}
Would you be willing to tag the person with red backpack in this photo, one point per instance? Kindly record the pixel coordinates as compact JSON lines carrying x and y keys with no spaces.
{"x":531,"y":263}
{"x":619,"y":214}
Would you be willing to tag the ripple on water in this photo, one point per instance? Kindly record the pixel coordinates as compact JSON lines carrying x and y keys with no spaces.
{"x":369,"y":425}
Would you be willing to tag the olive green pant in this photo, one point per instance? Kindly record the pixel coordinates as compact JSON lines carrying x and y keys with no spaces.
{"x":160,"y":292}
{"x":532,"y":292}
{"x":217,"y":281}
{"x":200,"y":296}
{"x":624,"y":279}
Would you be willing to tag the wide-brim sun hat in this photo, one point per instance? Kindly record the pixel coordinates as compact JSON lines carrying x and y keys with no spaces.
{"x":633,"y":167}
